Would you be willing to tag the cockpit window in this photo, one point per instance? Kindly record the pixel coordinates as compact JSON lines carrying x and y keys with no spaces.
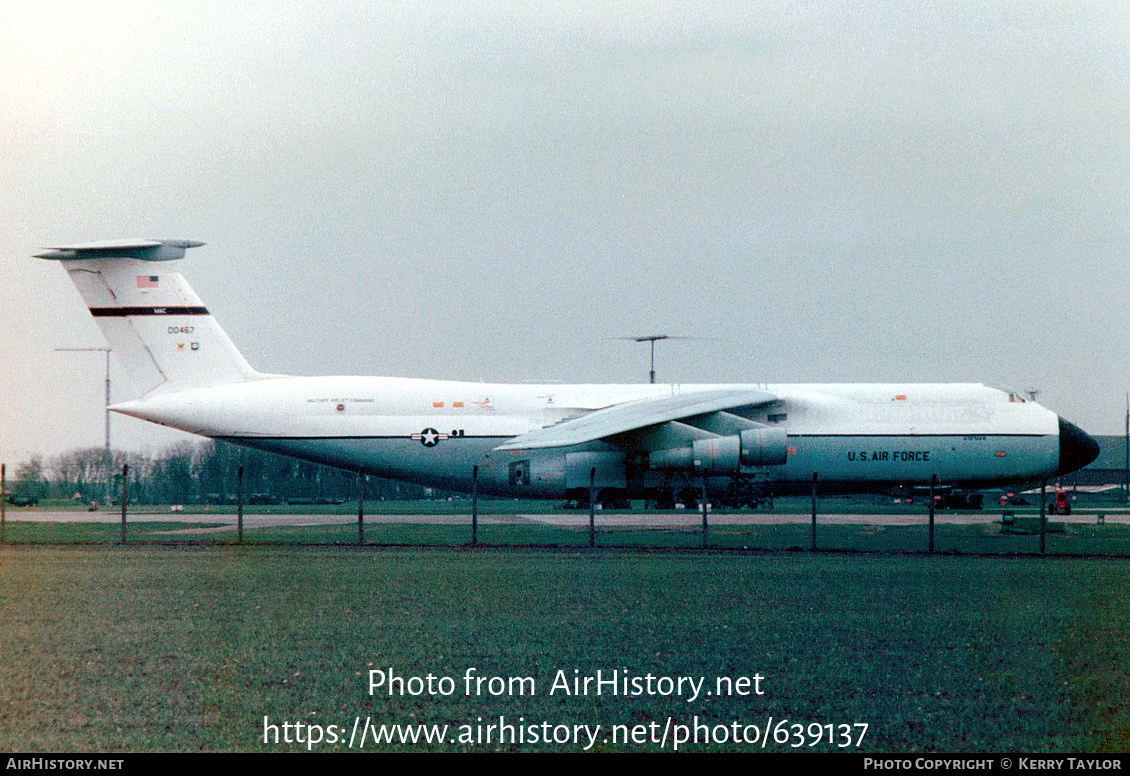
{"x":1015,"y":396}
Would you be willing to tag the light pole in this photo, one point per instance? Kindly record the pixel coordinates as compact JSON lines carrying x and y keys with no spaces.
{"x":651,"y":339}
{"x":108,"y":461}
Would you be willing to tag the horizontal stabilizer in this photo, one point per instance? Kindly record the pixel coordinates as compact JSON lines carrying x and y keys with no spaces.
{"x":144,"y":250}
{"x":634,"y":415}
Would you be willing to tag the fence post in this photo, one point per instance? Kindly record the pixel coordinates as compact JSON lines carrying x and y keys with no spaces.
{"x":125,"y":474}
{"x":475,"y":506}
{"x":705,"y":527}
{"x":239,"y":502}
{"x":1043,"y":514}
{"x":592,"y":506}
{"x":3,"y":498}
{"x":361,"y":505}
{"x":814,"y":511}
{"x":933,"y":483}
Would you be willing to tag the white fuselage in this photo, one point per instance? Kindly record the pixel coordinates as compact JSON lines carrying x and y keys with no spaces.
{"x":442,"y":432}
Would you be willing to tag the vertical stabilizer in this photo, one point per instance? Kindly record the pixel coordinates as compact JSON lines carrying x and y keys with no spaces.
{"x":156,"y":325}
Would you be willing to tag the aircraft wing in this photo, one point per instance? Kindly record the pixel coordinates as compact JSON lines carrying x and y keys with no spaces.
{"x":634,"y":416}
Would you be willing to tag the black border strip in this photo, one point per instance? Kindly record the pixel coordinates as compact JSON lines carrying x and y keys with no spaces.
{"x":500,"y":436}
{"x":124,"y":312}
{"x":369,"y":436}
{"x":961,"y":435}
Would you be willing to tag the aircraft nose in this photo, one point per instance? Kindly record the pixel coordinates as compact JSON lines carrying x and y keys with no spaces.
{"x":1077,"y":448}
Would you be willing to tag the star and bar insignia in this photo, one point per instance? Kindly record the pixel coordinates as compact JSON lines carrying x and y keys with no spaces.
{"x":429,"y":437}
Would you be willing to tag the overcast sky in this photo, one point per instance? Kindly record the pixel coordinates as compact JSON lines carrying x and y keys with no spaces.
{"x":832,"y":192}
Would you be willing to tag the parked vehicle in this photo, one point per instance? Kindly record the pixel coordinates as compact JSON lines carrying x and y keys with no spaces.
{"x":1061,"y":505}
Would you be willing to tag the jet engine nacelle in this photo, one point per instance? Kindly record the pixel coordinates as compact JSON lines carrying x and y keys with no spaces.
{"x":765,"y":446}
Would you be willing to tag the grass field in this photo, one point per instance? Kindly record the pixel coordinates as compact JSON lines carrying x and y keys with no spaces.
{"x":1077,"y":539}
{"x":190,"y":647}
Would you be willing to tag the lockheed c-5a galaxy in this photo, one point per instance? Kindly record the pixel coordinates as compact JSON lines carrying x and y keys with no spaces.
{"x":553,"y":441}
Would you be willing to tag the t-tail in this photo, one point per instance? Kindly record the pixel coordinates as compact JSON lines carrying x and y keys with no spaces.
{"x":156,"y":325}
